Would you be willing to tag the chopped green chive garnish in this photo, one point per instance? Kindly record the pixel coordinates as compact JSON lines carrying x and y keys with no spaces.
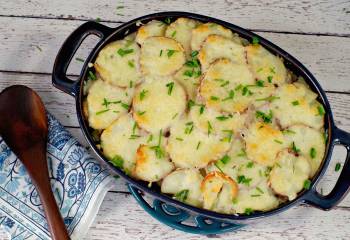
{"x":190,"y":104}
{"x":91,"y":76}
{"x":231,"y":94}
{"x":175,"y":115}
{"x":234,"y":201}
{"x":179,"y":139}
{"x":150,"y":138}
{"x":131,"y":83}
{"x":214,"y":98}
{"x":242,"y":179}
{"x":255,"y":195}
{"x":134,"y":136}
{"x":269,"y":99}
{"x":255,"y":40}
{"x":250,"y":164}
{"x":288,"y":131}
{"x":307,"y":184}
{"x":194,"y":54}
{"x":143,"y":94}
{"x":260,"y":83}
{"x":103,"y":111}
{"x":259,"y":70}
{"x":158,"y":149}
{"x":118,"y":161}
{"x":312,"y":152}
{"x":218,"y":167}
{"x":198,"y":145}
{"x":189,"y":128}
{"x":201,"y":109}
{"x":123,"y":52}
{"x":140,"y":113}
{"x":259,"y":190}
{"x":242,"y":153}
{"x":170,"y":52}
{"x":225,"y":159}
{"x":269,"y":79}
{"x":337,"y":167}
{"x":278,"y":141}
{"x":210,"y":128}
{"x":170,"y":87}
{"x":160,"y":53}
{"x":294,"y":148}
{"x":321,"y":111}
{"x":246,"y":91}
{"x":267,"y":118}
{"x":295,"y":103}
{"x":124,"y":105}
{"x":182,"y":195}
{"x":79,"y":59}
{"x":131,"y":64}
{"x":98,"y":19}
{"x":223,"y":117}
{"x":173,"y":34}
{"x":224,"y":84}
{"x":229,"y":135}
{"x":238,"y":87}
{"x":167,"y":20}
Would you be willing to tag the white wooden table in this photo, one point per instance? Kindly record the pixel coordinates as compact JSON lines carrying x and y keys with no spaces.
{"x":315,"y":32}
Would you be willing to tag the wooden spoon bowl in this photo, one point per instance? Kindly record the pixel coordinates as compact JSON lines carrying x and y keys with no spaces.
{"x":23,"y":126}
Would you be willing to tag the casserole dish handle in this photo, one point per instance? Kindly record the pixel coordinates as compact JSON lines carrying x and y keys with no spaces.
{"x":67,"y":51}
{"x":343,"y":183}
{"x":180,"y":219}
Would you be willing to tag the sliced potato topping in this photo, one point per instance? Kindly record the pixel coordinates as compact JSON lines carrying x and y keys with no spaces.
{"x":259,"y":138}
{"x":105,"y":103}
{"x":189,"y":78}
{"x":265,"y":65}
{"x":200,"y":33}
{"x":289,"y":174}
{"x":158,"y":103}
{"x":184,"y":180}
{"x":189,"y":147}
{"x":217,"y":47}
{"x":161,"y":56}
{"x":120,"y":141}
{"x":296,"y":104}
{"x":181,"y":31}
{"x":223,"y":84}
{"x":118,"y":63}
{"x":307,"y":141}
{"x":153,"y":28}
{"x":152,"y":163}
{"x":218,"y":191}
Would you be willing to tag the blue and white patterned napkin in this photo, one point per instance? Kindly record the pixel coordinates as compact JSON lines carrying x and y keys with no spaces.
{"x":78,"y":181}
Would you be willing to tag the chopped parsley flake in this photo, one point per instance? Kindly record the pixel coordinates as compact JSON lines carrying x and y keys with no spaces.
{"x":143,"y":94}
{"x":170,"y":87}
{"x":267,"y":118}
{"x":295,"y":103}
{"x":242,"y":179}
{"x":312,"y":152}
{"x":307,"y":184}
{"x":255,"y":40}
{"x":182,"y":195}
{"x":123,"y":52}
{"x":337,"y":167}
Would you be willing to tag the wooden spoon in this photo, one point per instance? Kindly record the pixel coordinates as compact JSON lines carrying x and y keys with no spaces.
{"x":23,"y":126}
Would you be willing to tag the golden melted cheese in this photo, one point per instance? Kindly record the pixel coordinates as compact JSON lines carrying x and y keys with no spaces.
{"x":157,"y":103}
{"x":117,"y":141}
{"x":200,"y":33}
{"x":259,"y":138}
{"x":189,"y":147}
{"x":296,"y":104}
{"x":153,"y":28}
{"x":289,"y":174}
{"x":161,"y":56}
{"x":118,"y":63}
{"x":105,"y":103}
{"x":185,"y":179}
{"x":151,"y":166}
{"x":265,"y":65}
{"x":217,"y":47}
{"x":181,"y":31}
{"x":310,"y":142}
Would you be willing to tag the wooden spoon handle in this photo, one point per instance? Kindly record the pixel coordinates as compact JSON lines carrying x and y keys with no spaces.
{"x":57,"y":227}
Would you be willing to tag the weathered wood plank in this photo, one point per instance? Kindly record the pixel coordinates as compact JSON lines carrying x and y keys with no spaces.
{"x":120,"y":217}
{"x":326,"y":17}
{"x":32,"y":46}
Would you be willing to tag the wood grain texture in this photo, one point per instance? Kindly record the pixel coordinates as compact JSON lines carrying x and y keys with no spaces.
{"x":31,"y":45}
{"x":120,"y":217}
{"x":321,"y":17}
